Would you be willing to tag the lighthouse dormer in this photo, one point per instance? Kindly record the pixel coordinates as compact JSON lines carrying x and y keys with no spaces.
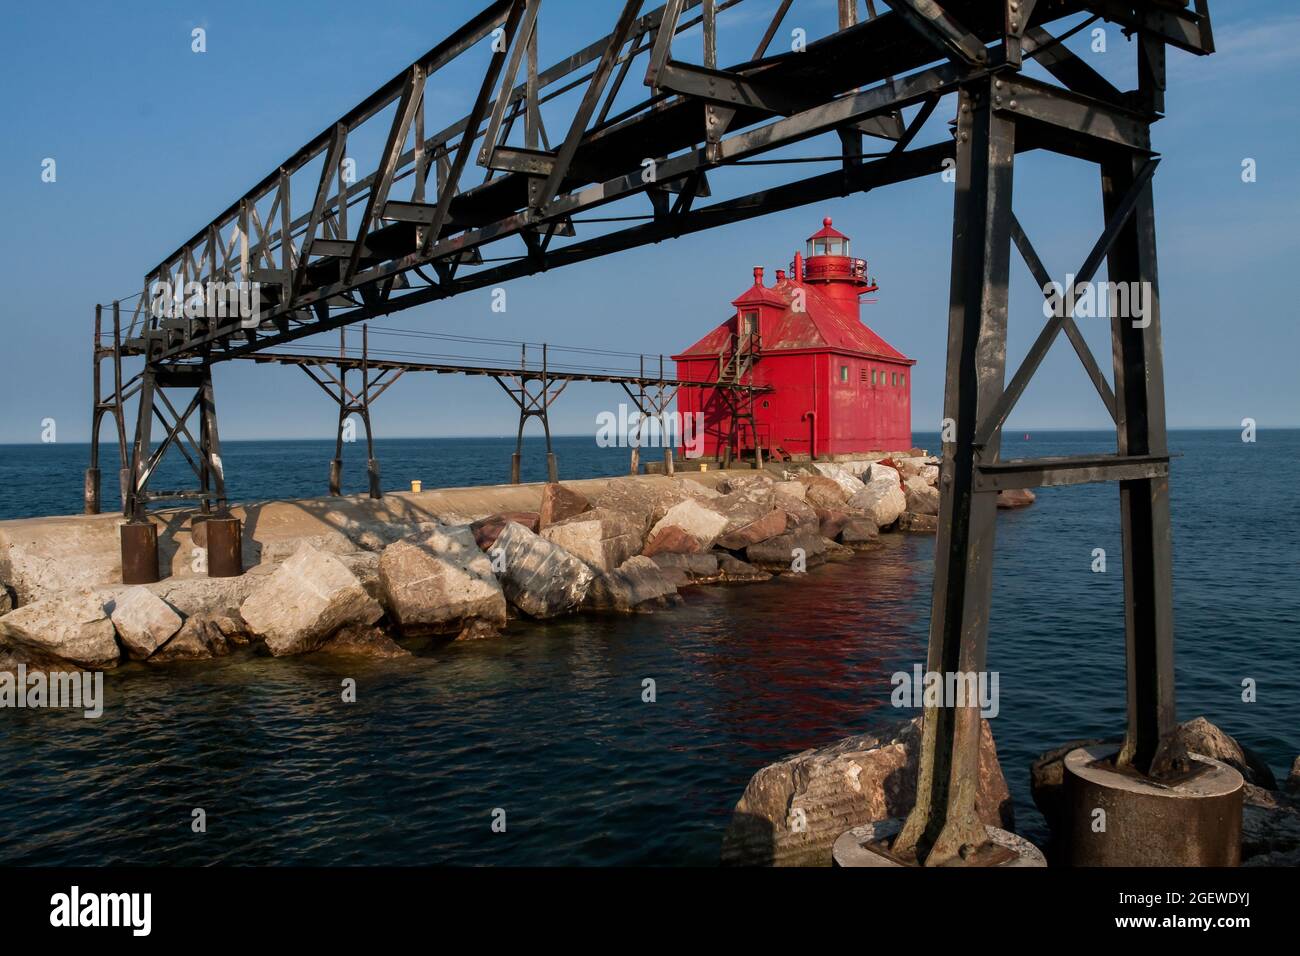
{"x":829,"y":263}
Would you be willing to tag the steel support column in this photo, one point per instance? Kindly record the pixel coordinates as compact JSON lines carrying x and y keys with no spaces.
{"x":944,"y":827}
{"x":1144,"y":502}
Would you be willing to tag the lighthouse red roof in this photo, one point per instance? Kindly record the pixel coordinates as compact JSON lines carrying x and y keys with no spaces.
{"x":823,"y":324}
{"x":827,"y":231}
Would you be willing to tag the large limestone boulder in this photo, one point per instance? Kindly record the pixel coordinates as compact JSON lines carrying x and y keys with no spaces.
{"x":601,"y":537}
{"x":849,"y":483}
{"x":637,"y":585}
{"x":922,"y":497}
{"x":793,"y":810}
{"x":74,"y":628}
{"x":800,"y":515}
{"x":687,"y":527}
{"x":882,"y":499}
{"x":648,"y":499}
{"x":883,"y":469}
{"x":307,"y":599}
{"x":859,"y":533}
{"x":538,"y":576}
{"x":767,"y":526}
{"x":558,"y":503}
{"x":823,"y":492}
{"x":780,"y":553}
{"x":201,"y":638}
{"x":794,"y":489}
{"x":144,"y":622}
{"x":439,"y":581}
{"x":743,"y":506}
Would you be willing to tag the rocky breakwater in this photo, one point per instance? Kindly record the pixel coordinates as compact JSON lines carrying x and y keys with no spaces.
{"x":626,"y":545}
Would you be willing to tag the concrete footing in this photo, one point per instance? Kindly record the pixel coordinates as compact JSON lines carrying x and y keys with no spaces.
{"x":1114,"y":818}
{"x":864,"y":846}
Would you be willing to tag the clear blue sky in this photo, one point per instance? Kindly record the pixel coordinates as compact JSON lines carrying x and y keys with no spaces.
{"x":151,"y":140}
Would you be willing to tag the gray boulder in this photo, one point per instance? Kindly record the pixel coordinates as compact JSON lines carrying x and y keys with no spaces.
{"x":73,"y":628}
{"x":699,"y":568}
{"x":859,"y":533}
{"x":538,"y":576}
{"x":779,"y":553}
{"x":637,"y":585}
{"x":305,"y":600}
{"x":363,"y":640}
{"x":144,"y":622}
{"x":601,"y":537}
{"x":201,"y":638}
{"x":438,"y":581}
{"x":800,"y":516}
{"x":922,"y":497}
{"x":882,"y":499}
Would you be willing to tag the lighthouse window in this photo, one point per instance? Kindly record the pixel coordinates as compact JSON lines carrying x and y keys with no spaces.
{"x":873,"y":376}
{"x":844,"y":373}
{"x":751,"y":323}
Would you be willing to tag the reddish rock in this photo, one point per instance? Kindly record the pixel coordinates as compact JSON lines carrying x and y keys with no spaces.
{"x":558,"y":503}
{"x":671,"y":540}
{"x":486,"y":529}
{"x":1019,"y":498}
{"x":769,"y":526}
{"x":832,"y":522}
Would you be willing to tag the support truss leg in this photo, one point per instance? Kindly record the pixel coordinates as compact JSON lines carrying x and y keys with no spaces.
{"x":944,"y":826}
{"x":1144,"y":503}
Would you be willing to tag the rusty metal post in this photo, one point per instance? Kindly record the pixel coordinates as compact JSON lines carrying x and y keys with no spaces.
{"x":139,"y":552}
{"x":90,"y":490}
{"x":225,"y":556}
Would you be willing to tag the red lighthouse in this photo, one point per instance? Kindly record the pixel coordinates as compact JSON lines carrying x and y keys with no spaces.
{"x":834,"y":385}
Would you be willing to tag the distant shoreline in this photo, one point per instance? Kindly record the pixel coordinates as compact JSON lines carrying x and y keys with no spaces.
{"x":556,"y":435}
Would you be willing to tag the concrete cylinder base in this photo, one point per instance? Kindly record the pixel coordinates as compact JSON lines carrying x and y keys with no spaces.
{"x":1122,"y":819}
{"x":858,"y":847}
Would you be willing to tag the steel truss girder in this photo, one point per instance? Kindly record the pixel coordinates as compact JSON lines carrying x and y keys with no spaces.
{"x":309,"y":301}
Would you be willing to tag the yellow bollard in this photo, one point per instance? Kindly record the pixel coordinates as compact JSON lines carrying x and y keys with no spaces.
{"x":416,"y":486}
{"x":704,"y":466}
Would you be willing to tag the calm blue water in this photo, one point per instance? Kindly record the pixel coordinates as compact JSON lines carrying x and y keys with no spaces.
{"x":548,"y":724}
